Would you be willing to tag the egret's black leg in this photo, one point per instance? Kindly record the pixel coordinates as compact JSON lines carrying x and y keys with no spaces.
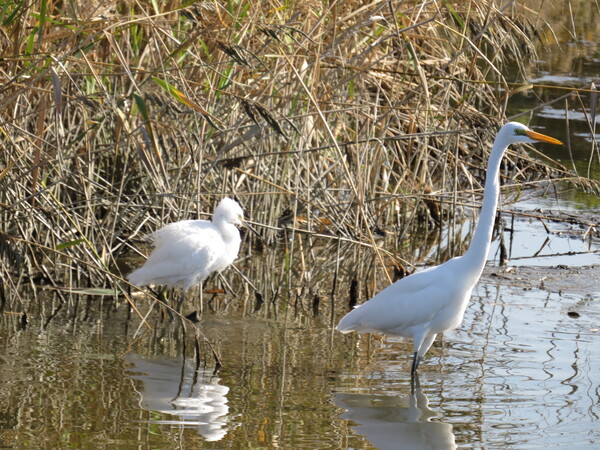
{"x":414,"y":376}
{"x":181,"y":300}
{"x":415,"y":364}
{"x":414,"y":383}
{"x":201,"y":298}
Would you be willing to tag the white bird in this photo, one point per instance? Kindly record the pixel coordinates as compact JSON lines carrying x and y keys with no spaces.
{"x":187,"y":252}
{"x":432,"y":301}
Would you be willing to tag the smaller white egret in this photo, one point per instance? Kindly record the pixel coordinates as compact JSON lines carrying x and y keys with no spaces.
{"x":187,"y":252}
{"x":432,"y":301}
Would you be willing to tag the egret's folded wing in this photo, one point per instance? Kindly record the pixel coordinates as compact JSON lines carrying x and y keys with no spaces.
{"x":173,"y":232}
{"x":184,"y":252}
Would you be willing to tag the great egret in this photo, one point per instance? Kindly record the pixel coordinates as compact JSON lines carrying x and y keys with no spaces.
{"x":187,"y":252}
{"x":432,"y":301}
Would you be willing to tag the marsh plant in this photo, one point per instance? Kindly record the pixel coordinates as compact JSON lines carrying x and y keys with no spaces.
{"x":349,"y":132}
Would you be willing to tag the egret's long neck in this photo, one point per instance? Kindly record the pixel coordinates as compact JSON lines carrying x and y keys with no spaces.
{"x":476,"y":255}
{"x":228,"y":230}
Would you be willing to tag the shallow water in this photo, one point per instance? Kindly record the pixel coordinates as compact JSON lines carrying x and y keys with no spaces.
{"x":532,"y":239}
{"x":519,"y":372}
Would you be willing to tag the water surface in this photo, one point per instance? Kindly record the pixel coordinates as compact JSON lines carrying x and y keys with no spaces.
{"x":520,"y":371}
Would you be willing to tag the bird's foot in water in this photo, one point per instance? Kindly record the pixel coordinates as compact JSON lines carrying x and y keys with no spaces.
{"x":414,"y":382}
{"x":193,"y":317}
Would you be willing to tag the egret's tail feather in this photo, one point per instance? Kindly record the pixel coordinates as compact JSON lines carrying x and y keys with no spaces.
{"x":138,"y":277}
{"x":346,"y":325}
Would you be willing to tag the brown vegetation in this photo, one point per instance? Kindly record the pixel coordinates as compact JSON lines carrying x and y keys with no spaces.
{"x":341,"y":119}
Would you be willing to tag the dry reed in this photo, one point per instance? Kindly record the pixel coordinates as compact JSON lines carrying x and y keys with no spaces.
{"x":344,"y":120}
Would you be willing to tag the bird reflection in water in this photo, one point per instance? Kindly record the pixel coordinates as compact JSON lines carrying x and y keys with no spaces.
{"x":393,"y":422}
{"x":178,"y":388}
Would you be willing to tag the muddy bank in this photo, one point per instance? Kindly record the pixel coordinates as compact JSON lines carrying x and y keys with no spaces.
{"x":581,"y":223}
{"x":557,"y":279}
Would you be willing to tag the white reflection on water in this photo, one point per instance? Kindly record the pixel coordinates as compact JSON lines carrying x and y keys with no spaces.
{"x":176,"y":387}
{"x":393,"y":422}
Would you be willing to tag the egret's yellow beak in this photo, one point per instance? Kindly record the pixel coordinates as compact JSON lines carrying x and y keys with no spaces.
{"x":542,"y":137}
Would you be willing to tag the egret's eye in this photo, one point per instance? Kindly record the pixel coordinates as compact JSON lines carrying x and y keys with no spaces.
{"x":520,"y":132}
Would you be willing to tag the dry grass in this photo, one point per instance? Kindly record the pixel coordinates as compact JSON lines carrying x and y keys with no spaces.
{"x":342,"y":121}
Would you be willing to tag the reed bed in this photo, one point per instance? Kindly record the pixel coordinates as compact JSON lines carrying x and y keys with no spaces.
{"x":348,"y":120}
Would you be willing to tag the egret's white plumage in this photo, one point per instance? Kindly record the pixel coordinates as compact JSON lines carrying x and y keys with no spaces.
{"x":187,"y":252}
{"x":432,"y":301}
